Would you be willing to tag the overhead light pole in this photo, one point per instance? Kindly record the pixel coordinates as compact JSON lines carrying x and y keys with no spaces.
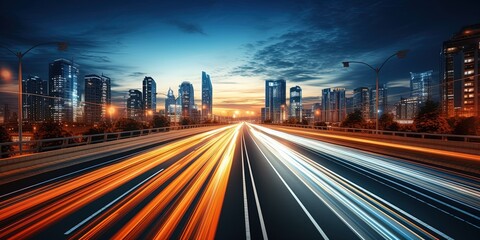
{"x":62,"y":46}
{"x":400,"y":54}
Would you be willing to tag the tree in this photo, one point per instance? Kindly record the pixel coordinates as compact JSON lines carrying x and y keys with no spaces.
{"x":429,"y":120}
{"x":49,"y":130}
{"x":354,"y":120}
{"x":160,"y":121}
{"x":186,"y":121}
{"x":386,"y":122}
{"x":127,"y":124}
{"x":7,"y":150}
{"x":467,"y":126}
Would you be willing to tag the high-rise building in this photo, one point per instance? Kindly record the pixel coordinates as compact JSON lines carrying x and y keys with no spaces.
{"x":382,"y":101}
{"x":135,"y":105}
{"x":4,"y":114}
{"x":406,"y":108}
{"x":361,"y":101}
{"x":63,"y":91}
{"x":296,"y":103}
{"x":333,"y":105}
{"x":187,"y":98}
{"x":207,"y":96}
{"x":421,"y":86}
{"x":317,"y":112}
{"x":275,"y":101}
{"x":34,"y":99}
{"x":170,"y":102}
{"x":149,"y":95}
{"x":461,"y":68}
{"x":97,"y":98}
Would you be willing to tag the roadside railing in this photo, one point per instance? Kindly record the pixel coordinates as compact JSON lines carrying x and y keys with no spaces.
{"x":66,"y":142}
{"x":442,"y":137}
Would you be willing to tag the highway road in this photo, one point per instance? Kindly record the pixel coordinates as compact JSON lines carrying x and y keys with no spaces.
{"x":246,"y":181}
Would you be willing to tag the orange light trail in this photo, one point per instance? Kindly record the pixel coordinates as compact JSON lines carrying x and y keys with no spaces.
{"x":49,"y":204}
{"x":467,"y":156}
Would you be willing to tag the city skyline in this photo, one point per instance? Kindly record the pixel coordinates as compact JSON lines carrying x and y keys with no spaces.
{"x":191,"y":41}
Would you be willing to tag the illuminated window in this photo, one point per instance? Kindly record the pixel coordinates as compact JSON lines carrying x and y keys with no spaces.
{"x":468,"y":60}
{"x":469,"y":89}
{"x":468,"y":72}
{"x":468,"y":84}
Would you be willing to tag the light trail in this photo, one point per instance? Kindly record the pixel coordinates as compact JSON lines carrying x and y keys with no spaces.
{"x":470,"y":157}
{"x":52,"y":202}
{"x":459,"y":188}
{"x":208,"y":165}
{"x":346,"y":199}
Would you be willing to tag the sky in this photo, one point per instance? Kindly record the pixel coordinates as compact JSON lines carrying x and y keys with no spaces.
{"x":239,"y":43}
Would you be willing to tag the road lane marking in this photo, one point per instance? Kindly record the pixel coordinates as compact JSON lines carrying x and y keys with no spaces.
{"x":319,"y":229}
{"x":111,"y":203}
{"x":259,"y":210}
{"x":245,"y":201}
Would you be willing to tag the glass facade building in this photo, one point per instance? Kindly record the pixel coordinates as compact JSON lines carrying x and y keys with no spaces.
{"x":361,"y":101}
{"x":275,"y":101}
{"x":97,"y":98}
{"x":460,"y":88}
{"x":187,"y":98}
{"x":333,"y":105}
{"x":382,"y":101}
{"x":207,"y":97}
{"x":296,"y":103}
{"x":34,"y":99}
{"x":135,"y":105}
{"x":149,"y":95}
{"x":63,"y":91}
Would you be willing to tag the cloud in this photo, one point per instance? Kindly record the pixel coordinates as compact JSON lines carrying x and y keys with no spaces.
{"x":187,"y":27}
{"x":137,"y":74}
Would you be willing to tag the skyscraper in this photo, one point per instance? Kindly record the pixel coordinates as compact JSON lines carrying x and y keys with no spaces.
{"x":461,"y":68}
{"x":63,"y":90}
{"x":361,"y":101}
{"x":420,"y":86}
{"x":317,"y":112}
{"x":97,"y":98}
{"x":149,"y":95}
{"x":296,"y":103}
{"x":275,"y":100}
{"x":333,"y":105}
{"x":382,"y":101}
{"x":207,"y":96}
{"x":187,"y":97}
{"x":34,"y":99}
{"x":170,"y":102}
{"x":135,"y":108}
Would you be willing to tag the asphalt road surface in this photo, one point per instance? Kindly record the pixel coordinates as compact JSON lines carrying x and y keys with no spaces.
{"x":244,"y":181}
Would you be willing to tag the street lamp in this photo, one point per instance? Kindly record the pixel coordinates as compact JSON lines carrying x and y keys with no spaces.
{"x":400,"y":54}
{"x":62,"y":46}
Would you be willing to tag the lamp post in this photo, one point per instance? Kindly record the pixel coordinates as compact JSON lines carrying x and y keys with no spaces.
{"x":62,"y":46}
{"x":400,"y":54}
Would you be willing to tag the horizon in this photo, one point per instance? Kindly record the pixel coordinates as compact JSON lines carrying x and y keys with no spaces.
{"x":238,"y":44}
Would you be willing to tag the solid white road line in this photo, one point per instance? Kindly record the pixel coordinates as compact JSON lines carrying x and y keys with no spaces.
{"x":294,"y":195}
{"x":259,"y":210}
{"x":111,"y":203}
{"x":245,"y":201}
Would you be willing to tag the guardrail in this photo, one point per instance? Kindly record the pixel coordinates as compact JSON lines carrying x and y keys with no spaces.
{"x":443,"y":137}
{"x":59,"y":143}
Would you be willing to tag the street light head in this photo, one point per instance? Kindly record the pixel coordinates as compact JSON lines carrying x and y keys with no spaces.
{"x":346,"y":64}
{"x":402,"y":53}
{"x":62,"y":46}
